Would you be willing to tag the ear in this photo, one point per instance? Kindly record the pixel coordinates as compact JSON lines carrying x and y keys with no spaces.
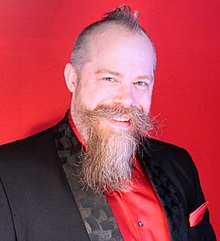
{"x":70,"y":77}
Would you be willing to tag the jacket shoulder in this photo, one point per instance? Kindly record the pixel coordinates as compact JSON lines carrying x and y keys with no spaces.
{"x":31,"y":139}
{"x":173,"y":159}
{"x":25,"y":155}
{"x":163,"y":149}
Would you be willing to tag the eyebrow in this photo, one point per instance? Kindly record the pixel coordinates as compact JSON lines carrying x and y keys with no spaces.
{"x":104,"y":71}
{"x":141,"y":77}
{"x":149,"y":77}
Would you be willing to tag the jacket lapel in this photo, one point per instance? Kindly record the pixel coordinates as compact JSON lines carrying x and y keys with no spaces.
{"x":169,"y":197}
{"x":94,"y":210}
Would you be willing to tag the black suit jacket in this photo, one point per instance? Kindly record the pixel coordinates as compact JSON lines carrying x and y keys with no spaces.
{"x":36,"y":203}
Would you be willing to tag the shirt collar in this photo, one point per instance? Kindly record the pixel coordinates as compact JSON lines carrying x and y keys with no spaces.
{"x":75,"y":130}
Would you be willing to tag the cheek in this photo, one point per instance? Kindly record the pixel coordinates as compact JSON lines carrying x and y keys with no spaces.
{"x":91,"y":94}
{"x":91,"y":99}
{"x":145,"y":103}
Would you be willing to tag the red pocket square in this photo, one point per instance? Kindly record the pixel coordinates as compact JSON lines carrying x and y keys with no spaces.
{"x":197,"y":215}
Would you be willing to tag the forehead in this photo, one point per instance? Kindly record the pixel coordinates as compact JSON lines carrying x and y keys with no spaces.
{"x":113,"y":44}
{"x":111,"y":33}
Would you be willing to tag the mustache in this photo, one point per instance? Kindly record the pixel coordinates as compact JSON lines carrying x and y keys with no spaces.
{"x":140,"y":121}
{"x":108,"y":111}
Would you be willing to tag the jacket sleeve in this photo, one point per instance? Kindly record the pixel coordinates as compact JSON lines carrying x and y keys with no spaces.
{"x":7,"y":231}
{"x":203,"y":231}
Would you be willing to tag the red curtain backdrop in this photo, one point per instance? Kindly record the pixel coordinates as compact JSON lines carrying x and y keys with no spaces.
{"x":36,"y":39}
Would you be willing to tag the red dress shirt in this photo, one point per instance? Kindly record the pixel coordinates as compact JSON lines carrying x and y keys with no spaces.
{"x":139,"y":213}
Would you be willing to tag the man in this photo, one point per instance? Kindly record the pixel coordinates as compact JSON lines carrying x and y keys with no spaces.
{"x":97,"y":175}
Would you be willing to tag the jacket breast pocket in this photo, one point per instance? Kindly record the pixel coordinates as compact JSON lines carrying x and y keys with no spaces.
{"x":200,"y":228}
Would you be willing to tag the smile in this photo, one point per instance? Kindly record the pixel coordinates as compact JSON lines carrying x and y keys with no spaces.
{"x":121,"y":119}
{"x":120,"y":123}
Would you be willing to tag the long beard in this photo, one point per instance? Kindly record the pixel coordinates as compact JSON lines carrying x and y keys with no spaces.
{"x":107,"y":164}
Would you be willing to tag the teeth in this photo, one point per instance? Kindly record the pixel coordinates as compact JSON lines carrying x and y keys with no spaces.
{"x":123,"y":119}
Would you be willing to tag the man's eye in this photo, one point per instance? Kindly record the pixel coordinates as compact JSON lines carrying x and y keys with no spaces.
{"x":142,"y":84}
{"x":109,"y":79}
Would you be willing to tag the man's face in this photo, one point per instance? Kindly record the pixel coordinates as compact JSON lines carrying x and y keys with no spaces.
{"x":110,"y":104}
{"x":120,"y":73}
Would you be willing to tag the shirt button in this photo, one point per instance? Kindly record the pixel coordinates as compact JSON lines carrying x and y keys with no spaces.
{"x":140,"y":224}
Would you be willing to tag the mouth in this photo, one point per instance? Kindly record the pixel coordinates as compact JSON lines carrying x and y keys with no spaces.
{"x":121,"y":122}
{"x":121,"y":119}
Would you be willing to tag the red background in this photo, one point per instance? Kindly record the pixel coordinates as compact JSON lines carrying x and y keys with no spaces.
{"x":36,"y":39}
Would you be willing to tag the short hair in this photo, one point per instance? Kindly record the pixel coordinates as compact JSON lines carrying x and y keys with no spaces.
{"x":122,"y":16}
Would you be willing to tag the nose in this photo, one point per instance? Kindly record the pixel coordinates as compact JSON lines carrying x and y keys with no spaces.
{"x":124,"y":97}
